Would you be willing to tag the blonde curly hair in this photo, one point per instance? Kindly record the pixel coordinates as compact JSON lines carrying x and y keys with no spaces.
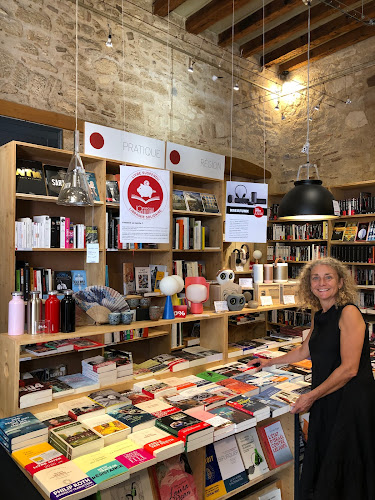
{"x":346,"y":294}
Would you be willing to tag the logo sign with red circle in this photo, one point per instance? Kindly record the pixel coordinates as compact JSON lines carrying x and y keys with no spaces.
{"x":258,"y":211}
{"x":145,"y":196}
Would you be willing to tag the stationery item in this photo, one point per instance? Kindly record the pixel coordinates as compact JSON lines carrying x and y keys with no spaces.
{"x":16,"y":314}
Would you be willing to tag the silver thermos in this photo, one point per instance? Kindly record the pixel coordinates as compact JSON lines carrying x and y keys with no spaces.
{"x":34,"y":312}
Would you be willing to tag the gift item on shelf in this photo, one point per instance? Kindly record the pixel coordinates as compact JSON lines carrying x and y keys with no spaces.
{"x":98,"y":301}
{"x":268,"y":273}
{"x":16,"y":314}
{"x":34,"y":313}
{"x":68,"y":312}
{"x":197,"y":291}
{"x":236,"y":302}
{"x":52,"y":312}
{"x":225,"y":276}
{"x":170,"y":285}
{"x":281,"y":272}
{"x":257,"y":268}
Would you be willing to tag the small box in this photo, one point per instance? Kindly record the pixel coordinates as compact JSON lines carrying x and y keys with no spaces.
{"x":273,"y":290}
{"x":221,"y":292}
{"x":289,"y":288}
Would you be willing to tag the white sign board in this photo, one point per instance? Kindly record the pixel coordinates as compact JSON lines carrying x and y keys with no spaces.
{"x":246,"y":212}
{"x":194,"y":161}
{"x":144,"y":205}
{"x":123,"y":146}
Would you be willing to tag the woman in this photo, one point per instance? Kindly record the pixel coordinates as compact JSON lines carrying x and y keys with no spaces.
{"x":339,"y":461}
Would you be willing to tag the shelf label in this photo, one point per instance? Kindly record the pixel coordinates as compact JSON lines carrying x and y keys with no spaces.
{"x":92,"y":253}
{"x":194,"y":161}
{"x":266,"y":300}
{"x":221,"y":305}
{"x":246,"y":282}
{"x":289,"y":299}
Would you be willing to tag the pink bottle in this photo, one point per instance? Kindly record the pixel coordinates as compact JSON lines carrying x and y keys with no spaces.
{"x":16,"y":314}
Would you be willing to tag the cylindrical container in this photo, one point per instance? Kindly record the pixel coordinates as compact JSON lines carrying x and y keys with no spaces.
{"x":16,"y":314}
{"x":68,"y":312}
{"x":34,"y":312}
{"x":281,"y":272}
{"x":268,"y":273}
{"x":52,"y":311}
{"x":258,"y":273}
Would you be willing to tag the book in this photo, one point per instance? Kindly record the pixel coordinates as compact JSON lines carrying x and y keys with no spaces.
{"x":362,"y":231}
{"x":178,"y":200}
{"x":350,"y":231}
{"x":338,"y":231}
{"x":159,"y":389}
{"x":30,"y":177}
{"x":98,"y":364}
{"x":79,"y":408}
{"x":210,"y":203}
{"x":137,"y":460}
{"x":158,"y":442}
{"x":75,"y":439}
{"x":109,"y":398}
{"x":79,"y":382}
{"x":92,"y":234}
{"x":185,"y":426}
{"x":275,"y":445}
{"x":211,"y":376}
{"x":128,"y":278}
{"x":109,"y":428}
{"x":139,"y":482}
{"x":32,"y":391}
{"x":91,"y":181}
{"x":134,"y":417}
{"x":193,"y":201}
{"x":54,"y":179}
{"x":54,"y":418}
{"x":38,"y":457}
{"x":142,"y":279}
{"x":63,"y":280}
{"x":214,"y":484}
{"x":60,"y":388}
{"x":231,"y":467}
{"x":84,"y":343}
{"x":103,"y":470}
{"x":240,"y":419}
{"x":222,"y":426}
{"x":112,"y":192}
{"x":157,"y":272}
{"x":79,"y":280}
{"x":247,"y":405}
{"x":252,"y":453}
{"x":174,"y":476}
{"x":65,"y":481}
{"x":16,"y":430}
{"x":157,"y":407}
{"x":276,"y":407}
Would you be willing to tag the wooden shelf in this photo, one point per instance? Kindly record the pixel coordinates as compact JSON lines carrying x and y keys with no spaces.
{"x":196,"y":214}
{"x":368,"y":287}
{"x":53,"y":250}
{"x":353,"y":242}
{"x":137,"y":250}
{"x":250,"y":271}
{"x":46,"y":199}
{"x":297,"y":241}
{"x":191,"y":250}
{"x":357,"y":216}
{"x":298,"y":222}
{"x":355,"y":185}
{"x":359,"y":263}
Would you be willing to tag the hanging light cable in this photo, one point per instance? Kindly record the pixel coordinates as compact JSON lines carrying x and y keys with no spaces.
{"x":75,"y":190}
{"x":308,"y":200}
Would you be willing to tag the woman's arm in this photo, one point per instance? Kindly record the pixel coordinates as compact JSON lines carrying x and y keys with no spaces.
{"x":293,"y":356}
{"x":352,"y":328}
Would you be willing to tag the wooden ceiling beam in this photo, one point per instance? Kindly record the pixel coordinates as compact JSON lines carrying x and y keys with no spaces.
{"x":329,"y":48}
{"x":319,"y":36}
{"x":211,"y":13}
{"x":160,"y":7}
{"x":287,"y":29}
{"x":275,"y":9}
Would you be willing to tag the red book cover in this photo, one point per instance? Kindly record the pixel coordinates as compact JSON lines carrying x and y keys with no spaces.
{"x":80,"y":344}
{"x":184,"y":433}
{"x":67,"y":231}
{"x":161,"y":443}
{"x":274,"y":444}
{"x":34,"y":467}
{"x":145,"y":332}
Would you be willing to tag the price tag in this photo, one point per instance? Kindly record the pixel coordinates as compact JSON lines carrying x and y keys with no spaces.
{"x":289,"y":299}
{"x":336,"y":207}
{"x":220,"y":306}
{"x":92,"y":253}
{"x":239,"y":268}
{"x":266,"y":300}
{"x":246,"y":282}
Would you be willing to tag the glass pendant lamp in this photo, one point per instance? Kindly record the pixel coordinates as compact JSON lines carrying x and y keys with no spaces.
{"x":75,"y":190}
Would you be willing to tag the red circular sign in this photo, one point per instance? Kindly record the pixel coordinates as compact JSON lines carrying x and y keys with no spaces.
{"x":175,"y":157}
{"x":145,"y":195}
{"x":258,"y":211}
{"x":96,"y":140}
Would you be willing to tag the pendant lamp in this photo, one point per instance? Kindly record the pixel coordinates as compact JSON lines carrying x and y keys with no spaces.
{"x":308,"y":200}
{"x":75,"y":190}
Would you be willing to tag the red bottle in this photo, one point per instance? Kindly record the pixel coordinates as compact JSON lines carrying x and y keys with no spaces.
{"x":52,"y":312}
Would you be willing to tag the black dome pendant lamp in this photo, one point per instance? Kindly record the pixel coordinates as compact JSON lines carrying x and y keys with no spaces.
{"x":308,"y":200}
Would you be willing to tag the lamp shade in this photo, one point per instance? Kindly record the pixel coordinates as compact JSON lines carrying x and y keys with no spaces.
{"x":308,"y":200}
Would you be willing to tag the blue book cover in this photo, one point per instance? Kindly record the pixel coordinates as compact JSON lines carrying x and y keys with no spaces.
{"x":77,"y":381}
{"x":214,"y":487}
{"x":91,"y":180}
{"x":18,"y":426}
{"x":265,"y":398}
{"x":79,"y":280}
{"x":131,"y":415}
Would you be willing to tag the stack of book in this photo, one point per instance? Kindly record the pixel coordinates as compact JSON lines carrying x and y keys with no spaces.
{"x":33,"y":392}
{"x":158,"y":442}
{"x":20,"y":431}
{"x":111,"y":430}
{"x":100,"y":370}
{"x":133,"y":417}
{"x":123,"y":360}
{"x":38,"y":457}
{"x":75,"y":439}
{"x":109,"y":398}
{"x":80,"y":408}
{"x":248,"y":405}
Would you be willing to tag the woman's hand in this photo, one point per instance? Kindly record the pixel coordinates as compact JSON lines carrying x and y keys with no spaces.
{"x":303,"y":403}
{"x":262,"y":362}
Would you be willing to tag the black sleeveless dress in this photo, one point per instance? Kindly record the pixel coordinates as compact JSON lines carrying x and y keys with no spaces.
{"x":339,"y":462}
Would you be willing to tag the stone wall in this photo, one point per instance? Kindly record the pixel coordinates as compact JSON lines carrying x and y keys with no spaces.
{"x":163,"y":100}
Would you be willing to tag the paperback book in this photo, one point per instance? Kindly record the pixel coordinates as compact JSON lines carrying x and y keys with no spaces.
{"x":38,"y":457}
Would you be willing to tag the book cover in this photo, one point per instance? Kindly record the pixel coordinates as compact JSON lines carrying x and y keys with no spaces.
{"x":65,"y":480}
{"x":30,"y":177}
{"x":350,"y":231}
{"x":38,"y":457}
{"x":178,"y":200}
{"x":362,"y":231}
{"x":98,"y":364}
{"x":85,"y":343}
{"x":73,"y":435}
{"x":158,"y":408}
{"x":91,"y":180}
{"x":63,"y":280}
{"x":104,"y":472}
{"x":247,"y":405}
{"x":211,"y":376}
{"x":20,"y":427}
{"x":158,"y":442}
{"x":78,"y":412}
{"x":210,"y":203}
{"x":79,"y":382}
{"x":136,"y":460}
{"x":193,"y":201}
{"x":252,"y":453}
{"x":109,"y":428}
{"x":276,"y":407}
{"x":79,"y":279}
{"x":92,"y":234}
{"x":231,"y":467}
{"x":132,"y":416}
{"x":240,"y":419}
{"x":60,"y":389}
{"x":142,"y":279}
{"x":128,"y":278}
{"x":112,"y":192}
{"x":54,"y":179}
{"x":109,"y":398}
{"x":157,"y":273}
{"x":139,"y":481}
{"x":184,"y":426}
{"x":338,"y":231}
{"x":174,"y":479}
{"x":214,"y":484}
{"x":274,"y":444}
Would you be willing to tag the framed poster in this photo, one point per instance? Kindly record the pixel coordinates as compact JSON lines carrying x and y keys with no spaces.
{"x":144,"y":205}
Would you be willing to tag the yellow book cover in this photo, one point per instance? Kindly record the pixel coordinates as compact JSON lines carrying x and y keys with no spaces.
{"x":30,"y":454}
{"x":203,"y":237}
{"x":116,"y":449}
{"x":350,"y":231}
{"x":159,"y":277}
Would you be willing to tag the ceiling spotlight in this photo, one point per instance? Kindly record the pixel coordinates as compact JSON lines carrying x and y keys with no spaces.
{"x":317,"y":107}
{"x":109,"y":41}
{"x":236,"y":86}
{"x":283,"y":116}
{"x":310,"y":119}
{"x":215,"y":77}
{"x":191,"y":65}
{"x":348,"y":101}
{"x":277,"y":105}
